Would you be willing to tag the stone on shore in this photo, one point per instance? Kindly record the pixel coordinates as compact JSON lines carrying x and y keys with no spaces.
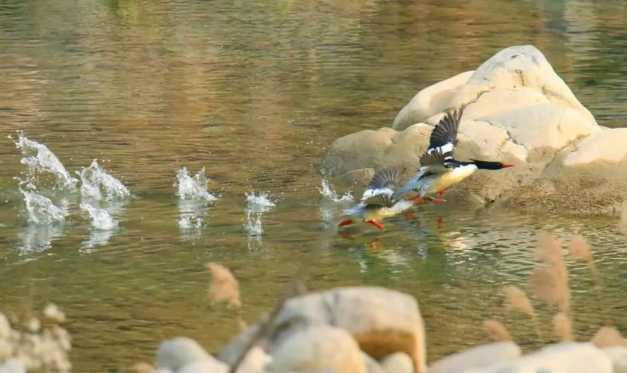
{"x":398,"y":362}
{"x":477,"y":357}
{"x":316,"y":349}
{"x":567,"y":357}
{"x":382,"y":321}
{"x":618,"y":356}
{"x":184,"y":355}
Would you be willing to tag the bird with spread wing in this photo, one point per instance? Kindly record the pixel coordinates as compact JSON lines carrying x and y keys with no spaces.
{"x":439,"y":170}
{"x":380,"y":200}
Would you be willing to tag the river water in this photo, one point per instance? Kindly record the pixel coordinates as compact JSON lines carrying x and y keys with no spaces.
{"x":255,"y":92}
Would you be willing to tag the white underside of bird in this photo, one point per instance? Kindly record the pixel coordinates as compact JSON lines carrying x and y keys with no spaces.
{"x":365,"y":212}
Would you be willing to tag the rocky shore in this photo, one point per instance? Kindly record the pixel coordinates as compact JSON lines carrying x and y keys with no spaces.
{"x":371,"y":330}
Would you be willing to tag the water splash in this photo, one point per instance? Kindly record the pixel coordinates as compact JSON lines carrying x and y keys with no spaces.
{"x":193,"y":201}
{"x":332,"y":204}
{"x":259,"y":202}
{"x":193,"y":187}
{"x":38,"y":158}
{"x":41,"y":210}
{"x":97,"y":184}
{"x":100,"y":218}
{"x":327,"y":192}
{"x":257,"y":205}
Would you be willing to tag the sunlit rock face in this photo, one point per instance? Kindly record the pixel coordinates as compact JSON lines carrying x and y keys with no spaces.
{"x":517,"y":110}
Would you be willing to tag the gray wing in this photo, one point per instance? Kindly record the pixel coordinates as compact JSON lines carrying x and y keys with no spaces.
{"x":385,"y":178}
{"x":380,"y":191}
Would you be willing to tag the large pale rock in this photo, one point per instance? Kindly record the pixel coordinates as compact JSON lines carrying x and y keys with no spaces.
{"x":375,"y":149}
{"x":178,"y":352}
{"x":608,"y":145}
{"x":382,"y":321}
{"x":560,"y":358}
{"x":431,"y":100}
{"x":316,"y":349}
{"x":618,"y":356}
{"x":478,"y":357}
{"x":519,"y":67}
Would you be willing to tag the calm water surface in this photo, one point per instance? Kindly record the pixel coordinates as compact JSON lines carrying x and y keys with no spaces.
{"x":255,"y":92}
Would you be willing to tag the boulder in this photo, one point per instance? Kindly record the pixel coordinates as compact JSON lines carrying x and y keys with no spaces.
{"x":477,"y":357}
{"x":376,"y":149}
{"x":567,"y":357}
{"x":517,"y":110}
{"x":431,"y":100}
{"x":316,"y":349}
{"x":382,"y":321}
{"x":606,"y":146}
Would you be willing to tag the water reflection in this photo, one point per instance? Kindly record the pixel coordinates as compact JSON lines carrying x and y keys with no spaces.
{"x":192,"y":214}
{"x":97,"y":237}
{"x":35,"y":238}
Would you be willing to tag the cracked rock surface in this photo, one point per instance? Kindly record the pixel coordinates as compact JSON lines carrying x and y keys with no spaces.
{"x":517,"y":110}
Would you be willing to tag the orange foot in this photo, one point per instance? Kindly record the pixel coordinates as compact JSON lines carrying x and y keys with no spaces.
{"x":438,"y":201}
{"x":418,"y":200}
{"x":440,"y":221}
{"x":376,"y":224}
{"x":345,"y":222}
{"x":440,"y":194}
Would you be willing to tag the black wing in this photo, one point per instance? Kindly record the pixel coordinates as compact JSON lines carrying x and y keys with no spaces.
{"x":444,"y":135}
{"x":380,"y":191}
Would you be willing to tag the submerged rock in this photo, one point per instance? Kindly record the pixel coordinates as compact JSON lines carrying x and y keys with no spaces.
{"x":517,"y":110}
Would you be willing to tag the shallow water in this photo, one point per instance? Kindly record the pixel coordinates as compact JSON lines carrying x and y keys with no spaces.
{"x":255,"y":93}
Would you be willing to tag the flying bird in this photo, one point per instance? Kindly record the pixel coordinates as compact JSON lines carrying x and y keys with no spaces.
{"x":439,"y":170}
